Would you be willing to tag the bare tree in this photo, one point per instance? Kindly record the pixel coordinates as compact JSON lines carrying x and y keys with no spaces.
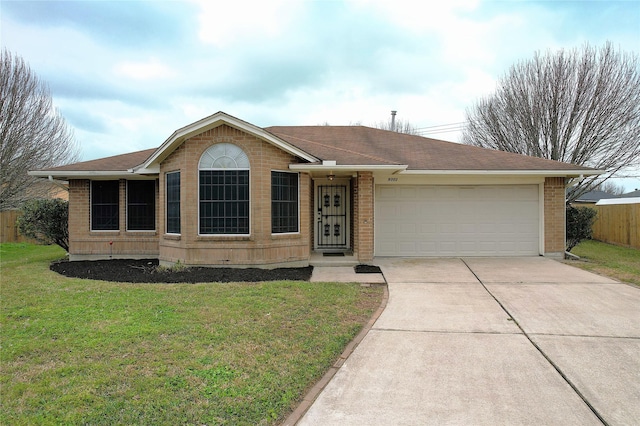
{"x":33,"y":135}
{"x":397,"y":125}
{"x":580,"y":106}
{"x":400,"y":126}
{"x":611,"y":187}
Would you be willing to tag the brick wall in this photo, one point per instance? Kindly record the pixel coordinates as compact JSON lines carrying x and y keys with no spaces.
{"x":363,"y":216}
{"x":258,"y":248}
{"x":353,"y":214}
{"x":554,"y":217}
{"x":87,"y":244}
{"x":312,"y":215}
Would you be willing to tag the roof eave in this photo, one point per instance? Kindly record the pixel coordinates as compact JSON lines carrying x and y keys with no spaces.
{"x":83,"y":174}
{"x":485,"y":172}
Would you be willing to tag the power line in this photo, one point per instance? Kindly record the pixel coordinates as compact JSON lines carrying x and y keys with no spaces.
{"x":437,"y":133}
{"x":441,"y":128}
{"x":442,"y":125}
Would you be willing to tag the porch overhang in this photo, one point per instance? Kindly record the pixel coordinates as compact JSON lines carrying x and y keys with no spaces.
{"x":345,"y":169}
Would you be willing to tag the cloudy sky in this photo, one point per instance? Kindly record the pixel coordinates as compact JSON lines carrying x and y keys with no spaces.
{"x":126,"y":74}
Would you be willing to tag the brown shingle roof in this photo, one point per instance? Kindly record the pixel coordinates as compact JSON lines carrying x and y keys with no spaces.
{"x":121,"y":162}
{"x":360,"y":145}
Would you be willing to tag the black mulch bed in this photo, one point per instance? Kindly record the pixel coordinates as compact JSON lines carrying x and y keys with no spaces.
{"x":367,"y":269}
{"x":147,"y":271}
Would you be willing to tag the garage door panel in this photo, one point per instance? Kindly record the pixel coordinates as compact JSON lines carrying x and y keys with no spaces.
{"x":447,"y":248}
{"x":406,"y":228}
{"x":427,"y":228}
{"x":425,"y":192}
{"x":487,"y":246}
{"x":457,"y":221}
{"x":487,"y":229}
{"x":467,"y":228}
{"x":468,"y":246}
{"x":387,"y":210}
{"x":427,"y":246}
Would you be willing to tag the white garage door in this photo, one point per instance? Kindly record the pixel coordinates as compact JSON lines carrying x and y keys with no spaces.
{"x":457,"y":220}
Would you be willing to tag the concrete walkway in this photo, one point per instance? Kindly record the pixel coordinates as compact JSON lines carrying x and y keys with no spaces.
{"x":484,"y":341}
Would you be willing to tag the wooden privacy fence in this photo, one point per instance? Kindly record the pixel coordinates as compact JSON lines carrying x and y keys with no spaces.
{"x":9,"y":228}
{"x":618,"y":224}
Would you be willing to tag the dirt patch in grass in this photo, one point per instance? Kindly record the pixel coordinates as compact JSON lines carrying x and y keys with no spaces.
{"x":148,"y":271}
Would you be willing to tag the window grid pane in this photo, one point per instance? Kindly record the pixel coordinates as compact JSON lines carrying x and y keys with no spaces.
{"x":224,"y":202}
{"x":284,"y":202}
{"x":173,"y":203}
{"x":105,"y":205}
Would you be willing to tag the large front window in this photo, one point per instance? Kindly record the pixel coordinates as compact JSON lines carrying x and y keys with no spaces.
{"x":224,"y":201}
{"x":141,"y":205}
{"x":224,"y":190}
{"x":104,"y":205}
{"x":284,"y":202}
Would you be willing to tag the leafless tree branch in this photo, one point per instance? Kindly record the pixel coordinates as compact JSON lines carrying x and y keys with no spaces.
{"x":33,"y":135}
{"x":399,"y":125}
{"x":580,"y":106}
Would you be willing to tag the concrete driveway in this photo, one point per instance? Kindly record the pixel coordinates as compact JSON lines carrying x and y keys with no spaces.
{"x":485,"y":341}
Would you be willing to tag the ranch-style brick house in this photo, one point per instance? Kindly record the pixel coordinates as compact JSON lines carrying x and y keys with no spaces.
{"x":224,"y":192}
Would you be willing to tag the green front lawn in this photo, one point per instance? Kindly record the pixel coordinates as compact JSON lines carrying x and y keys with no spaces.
{"x":617,"y":262}
{"x":92,"y":352}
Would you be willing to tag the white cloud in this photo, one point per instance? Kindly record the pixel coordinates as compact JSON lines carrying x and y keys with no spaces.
{"x":153,"y":69}
{"x":420,"y":17}
{"x":288,"y":62}
{"x":223,"y":23}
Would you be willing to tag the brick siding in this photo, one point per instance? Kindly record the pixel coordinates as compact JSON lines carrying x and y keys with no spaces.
{"x":261,"y":247}
{"x":258,"y":248}
{"x":87,"y":244}
{"x":363,"y":216}
{"x":554,"y":217}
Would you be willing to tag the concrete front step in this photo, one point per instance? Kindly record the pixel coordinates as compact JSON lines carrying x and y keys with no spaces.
{"x":343,"y":274}
{"x":319,"y":259}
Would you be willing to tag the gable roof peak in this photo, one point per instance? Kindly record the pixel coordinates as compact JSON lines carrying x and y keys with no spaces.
{"x":210,"y":122}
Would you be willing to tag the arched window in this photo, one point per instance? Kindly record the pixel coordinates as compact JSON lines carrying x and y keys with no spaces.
{"x":224,"y":156}
{"x":224,"y":190}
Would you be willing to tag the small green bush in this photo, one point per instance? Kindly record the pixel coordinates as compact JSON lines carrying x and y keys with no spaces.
{"x":46,"y":221}
{"x":579,"y":224}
